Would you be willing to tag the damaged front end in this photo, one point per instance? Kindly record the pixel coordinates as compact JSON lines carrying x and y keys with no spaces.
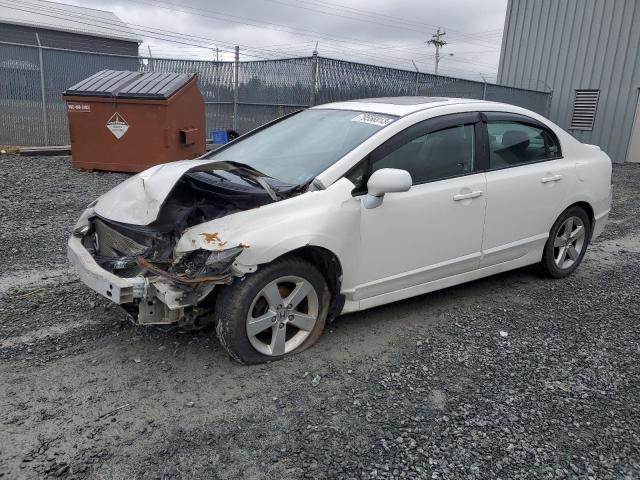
{"x":138,"y":266}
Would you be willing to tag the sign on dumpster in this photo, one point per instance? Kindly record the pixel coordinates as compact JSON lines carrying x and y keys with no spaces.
{"x":117,"y":125}
{"x":79,"y":107}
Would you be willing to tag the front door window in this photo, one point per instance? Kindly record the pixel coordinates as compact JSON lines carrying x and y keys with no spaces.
{"x":434,"y":156}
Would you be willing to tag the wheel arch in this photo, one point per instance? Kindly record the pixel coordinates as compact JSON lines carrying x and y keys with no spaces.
{"x":586,"y":206}
{"x":329,"y":265}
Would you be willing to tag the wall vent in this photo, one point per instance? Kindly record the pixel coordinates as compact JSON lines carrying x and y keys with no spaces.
{"x":584,"y":109}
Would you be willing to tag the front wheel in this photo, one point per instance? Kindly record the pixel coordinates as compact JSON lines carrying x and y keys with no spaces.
{"x":567,"y":243}
{"x":279,"y":310}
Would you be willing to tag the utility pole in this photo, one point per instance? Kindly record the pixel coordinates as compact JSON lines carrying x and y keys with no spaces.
{"x":436,"y":41}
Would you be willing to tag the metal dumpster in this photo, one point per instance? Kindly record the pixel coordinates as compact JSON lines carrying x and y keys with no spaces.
{"x":130,"y":121}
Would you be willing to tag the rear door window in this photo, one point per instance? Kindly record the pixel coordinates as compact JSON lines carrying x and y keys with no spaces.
{"x":512,"y":143}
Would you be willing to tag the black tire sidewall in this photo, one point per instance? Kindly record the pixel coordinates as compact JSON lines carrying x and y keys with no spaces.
{"x":233,"y":302}
{"x":548,"y":263}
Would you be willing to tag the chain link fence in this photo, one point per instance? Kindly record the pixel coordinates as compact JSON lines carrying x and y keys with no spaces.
{"x":32,"y":80}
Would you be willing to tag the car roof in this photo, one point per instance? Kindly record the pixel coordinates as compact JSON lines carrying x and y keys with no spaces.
{"x":398,"y":105}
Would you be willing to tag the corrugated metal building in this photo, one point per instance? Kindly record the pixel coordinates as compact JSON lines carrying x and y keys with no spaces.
{"x":587,"y":53}
{"x":59,"y":25}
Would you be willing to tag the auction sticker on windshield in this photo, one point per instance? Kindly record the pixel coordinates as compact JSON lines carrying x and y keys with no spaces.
{"x":373,"y":119}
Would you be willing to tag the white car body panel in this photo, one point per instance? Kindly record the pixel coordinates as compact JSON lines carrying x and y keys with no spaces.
{"x":512,"y":191}
{"x":444,"y":237}
{"x":417,"y":241}
{"x":321,"y":218}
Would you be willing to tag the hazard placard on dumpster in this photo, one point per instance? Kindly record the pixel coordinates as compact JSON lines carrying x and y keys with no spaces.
{"x":117,"y":125}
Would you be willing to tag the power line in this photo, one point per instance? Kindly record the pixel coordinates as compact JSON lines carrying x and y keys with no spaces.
{"x":373,"y":57}
{"x":150,"y":32}
{"x":190,"y":40}
{"x":360,"y":52}
{"x":402,"y":20}
{"x":360,"y":12}
{"x":381,"y":19}
{"x":145,"y":30}
{"x":172,"y":36}
{"x":218,"y":16}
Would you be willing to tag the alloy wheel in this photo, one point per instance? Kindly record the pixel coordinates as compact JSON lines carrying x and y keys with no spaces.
{"x":282,"y":315}
{"x":569,"y":242}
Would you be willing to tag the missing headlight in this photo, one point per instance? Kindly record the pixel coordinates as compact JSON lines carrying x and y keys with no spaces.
{"x":205,"y":262}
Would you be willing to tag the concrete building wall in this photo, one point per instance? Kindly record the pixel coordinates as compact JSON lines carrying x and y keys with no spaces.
{"x":566,"y":45}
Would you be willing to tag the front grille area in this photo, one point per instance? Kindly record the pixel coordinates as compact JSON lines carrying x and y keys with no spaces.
{"x":115,"y":251}
{"x":112,"y":243}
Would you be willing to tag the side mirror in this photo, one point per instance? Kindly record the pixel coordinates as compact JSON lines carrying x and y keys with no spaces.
{"x":385,"y":180}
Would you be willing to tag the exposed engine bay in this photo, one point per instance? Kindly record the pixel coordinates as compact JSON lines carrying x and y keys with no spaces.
{"x":184,"y":280}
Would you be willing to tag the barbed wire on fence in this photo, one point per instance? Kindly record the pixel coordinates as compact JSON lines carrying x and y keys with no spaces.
{"x":33,"y":78}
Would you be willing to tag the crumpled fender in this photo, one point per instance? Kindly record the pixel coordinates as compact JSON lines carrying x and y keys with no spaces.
{"x":323,"y":218}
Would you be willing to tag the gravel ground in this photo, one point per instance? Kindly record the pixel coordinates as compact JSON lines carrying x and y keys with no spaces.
{"x":424,"y":388}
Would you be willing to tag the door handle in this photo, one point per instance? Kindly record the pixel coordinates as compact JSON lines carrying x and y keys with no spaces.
{"x":552,"y":178}
{"x":465,"y":196}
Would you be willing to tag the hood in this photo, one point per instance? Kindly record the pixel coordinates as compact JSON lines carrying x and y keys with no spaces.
{"x":138,"y":199}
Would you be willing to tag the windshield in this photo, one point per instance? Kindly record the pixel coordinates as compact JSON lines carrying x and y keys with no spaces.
{"x":298,"y":148}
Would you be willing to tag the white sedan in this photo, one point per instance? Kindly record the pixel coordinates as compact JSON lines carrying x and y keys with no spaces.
{"x":340,"y":208}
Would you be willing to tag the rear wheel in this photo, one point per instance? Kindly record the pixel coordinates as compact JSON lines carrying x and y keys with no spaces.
{"x":279,"y":310}
{"x":567,"y":243}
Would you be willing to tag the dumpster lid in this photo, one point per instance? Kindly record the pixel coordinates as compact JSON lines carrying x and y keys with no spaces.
{"x":126,"y":84}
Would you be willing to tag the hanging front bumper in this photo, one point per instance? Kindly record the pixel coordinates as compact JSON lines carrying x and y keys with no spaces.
{"x":117,"y":289}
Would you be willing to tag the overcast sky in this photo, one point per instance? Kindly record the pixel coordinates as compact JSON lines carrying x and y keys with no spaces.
{"x":384,"y":32}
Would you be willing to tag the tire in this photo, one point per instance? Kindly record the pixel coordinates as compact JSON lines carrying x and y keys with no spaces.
{"x":244,"y":313}
{"x":558,"y":261}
